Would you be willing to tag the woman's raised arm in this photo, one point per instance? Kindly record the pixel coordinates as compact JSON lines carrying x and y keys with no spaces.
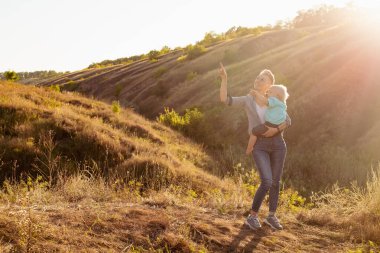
{"x":224,"y":97}
{"x":223,"y":85}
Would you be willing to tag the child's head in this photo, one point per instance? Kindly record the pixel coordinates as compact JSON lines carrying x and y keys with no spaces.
{"x":279,"y":91}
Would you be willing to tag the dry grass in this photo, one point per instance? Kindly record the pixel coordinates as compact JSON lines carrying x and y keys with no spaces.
{"x":85,"y":214}
{"x":118,"y":182}
{"x":356,"y":209}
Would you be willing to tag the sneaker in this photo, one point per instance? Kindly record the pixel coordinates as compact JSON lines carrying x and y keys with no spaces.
{"x":252,"y":222}
{"x":273,"y":222}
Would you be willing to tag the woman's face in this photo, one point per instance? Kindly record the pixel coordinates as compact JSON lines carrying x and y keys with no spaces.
{"x":262,"y":82}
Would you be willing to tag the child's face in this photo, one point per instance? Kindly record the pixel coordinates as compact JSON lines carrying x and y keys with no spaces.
{"x":271,"y":92}
{"x":274,"y":92}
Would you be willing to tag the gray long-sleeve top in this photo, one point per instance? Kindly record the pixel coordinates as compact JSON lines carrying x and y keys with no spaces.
{"x":249,"y":104}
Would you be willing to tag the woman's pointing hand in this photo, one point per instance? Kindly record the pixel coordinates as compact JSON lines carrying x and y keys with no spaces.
{"x":222,"y":71}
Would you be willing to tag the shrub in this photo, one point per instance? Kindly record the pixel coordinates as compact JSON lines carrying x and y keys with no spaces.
{"x":159,"y":89}
{"x":194,"y":51}
{"x":116,"y":106}
{"x":191,"y":75}
{"x":11,"y":76}
{"x":153,"y":55}
{"x":55,"y":87}
{"x":193,"y":118}
{"x":211,"y":38}
{"x":164,"y":50}
{"x":191,"y":123}
{"x":95,"y":66}
{"x":70,"y":86}
{"x":118,"y":90}
{"x":182,"y":58}
{"x":172,"y":119}
{"x":159,"y":72}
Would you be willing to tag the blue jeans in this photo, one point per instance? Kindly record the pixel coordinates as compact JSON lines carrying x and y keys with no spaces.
{"x":269,"y":156}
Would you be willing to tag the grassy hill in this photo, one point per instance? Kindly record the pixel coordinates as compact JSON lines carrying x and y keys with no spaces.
{"x":64,"y":128}
{"x":78,"y":175}
{"x":331,"y":73}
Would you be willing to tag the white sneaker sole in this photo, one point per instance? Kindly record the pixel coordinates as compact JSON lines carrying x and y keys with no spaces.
{"x":267,"y":222}
{"x":249,"y":225}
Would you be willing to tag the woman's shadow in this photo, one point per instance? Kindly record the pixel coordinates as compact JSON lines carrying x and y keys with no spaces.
{"x":244,"y":232}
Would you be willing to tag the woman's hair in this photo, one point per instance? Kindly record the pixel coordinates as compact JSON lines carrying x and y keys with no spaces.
{"x":269,"y":74}
{"x":283,"y":91}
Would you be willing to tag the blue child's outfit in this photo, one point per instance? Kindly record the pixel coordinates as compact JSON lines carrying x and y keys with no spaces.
{"x":274,"y":115}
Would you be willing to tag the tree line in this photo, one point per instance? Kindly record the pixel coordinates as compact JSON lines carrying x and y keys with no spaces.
{"x":322,"y":15}
{"x":11,"y":75}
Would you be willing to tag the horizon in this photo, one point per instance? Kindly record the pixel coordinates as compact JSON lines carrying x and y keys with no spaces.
{"x":43,"y":39}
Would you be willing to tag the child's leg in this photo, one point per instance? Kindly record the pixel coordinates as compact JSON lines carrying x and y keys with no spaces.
{"x":251,"y":143}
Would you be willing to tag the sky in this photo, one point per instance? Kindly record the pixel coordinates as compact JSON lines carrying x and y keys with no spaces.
{"x":71,"y":34}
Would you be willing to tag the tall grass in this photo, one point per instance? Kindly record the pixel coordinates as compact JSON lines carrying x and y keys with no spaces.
{"x":355,"y":208}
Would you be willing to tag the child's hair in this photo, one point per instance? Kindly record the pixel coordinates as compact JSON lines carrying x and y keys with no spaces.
{"x":269,"y":74}
{"x":283,"y":91}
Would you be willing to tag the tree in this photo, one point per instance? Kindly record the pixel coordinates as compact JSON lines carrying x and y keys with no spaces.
{"x":164,"y":50}
{"x":210,"y":38}
{"x":11,"y":76}
{"x":324,"y":14}
{"x":193,"y":51}
{"x":153,"y":54}
{"x":241,"y":31}
{"x":231,"y":33}
{"x":279,"y":25}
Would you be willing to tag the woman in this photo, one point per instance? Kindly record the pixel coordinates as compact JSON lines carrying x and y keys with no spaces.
{"x":269,"y":151}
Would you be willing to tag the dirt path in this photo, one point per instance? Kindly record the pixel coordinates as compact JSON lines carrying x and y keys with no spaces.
{"x":121,"y":227}
{"x":228,"y":233}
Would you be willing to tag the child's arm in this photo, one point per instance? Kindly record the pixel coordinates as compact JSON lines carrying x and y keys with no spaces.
{"x":262,"y":99}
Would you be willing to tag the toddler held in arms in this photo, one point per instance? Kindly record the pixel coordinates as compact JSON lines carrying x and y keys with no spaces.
{"x":275,"y":113}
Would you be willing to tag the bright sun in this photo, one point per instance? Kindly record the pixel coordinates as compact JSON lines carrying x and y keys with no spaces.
{"x":368,"y":18}
{"x":369,"y":10}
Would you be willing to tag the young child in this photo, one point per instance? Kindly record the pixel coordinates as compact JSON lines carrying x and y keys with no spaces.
{"x":275,"y":113}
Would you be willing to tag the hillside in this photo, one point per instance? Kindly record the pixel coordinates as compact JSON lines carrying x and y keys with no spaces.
{"x":87,"y":132}
{"x":117,"y":182}
{"x":331,"y":73}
